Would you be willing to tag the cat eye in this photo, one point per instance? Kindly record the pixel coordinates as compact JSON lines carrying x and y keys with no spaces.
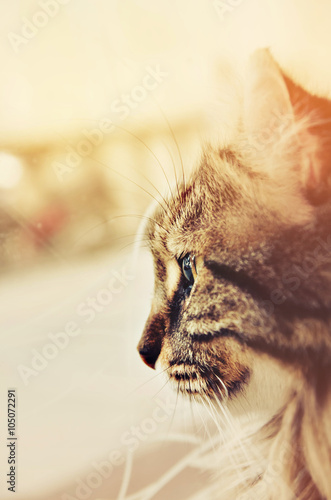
{"x":187,"y":264}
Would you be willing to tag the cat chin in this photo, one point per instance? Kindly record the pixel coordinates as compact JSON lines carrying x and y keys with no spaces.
{"x":261,"y":397}
{"x":267,"y":391}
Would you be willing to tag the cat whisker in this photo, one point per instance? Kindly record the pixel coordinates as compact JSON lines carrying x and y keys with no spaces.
{"x":134,"y":243}
{"x":149,"y":380}
{"x":229,"y":420}
{"x":175,"y":141}
{"x":174,"y":166}
{"x":173,"y":413}
{"x":196,"y":405}
{"x":204,"y":423}
{"x":221,"y":405}
{"x":130,"y":180}
{"x":226,"y":392}
{"x":191,"y":407}
{"x":152,"y":153}
{"x":158,"y":392}
{"x":139,"y":186}
{"x":236,"y":436}
{"x":233,"y":457}
{"x":210,"y":436}
{"x":214,"y":418}
{"x":138,"y":216}
{"x":212,"y":411}
{"x":187,"y":378}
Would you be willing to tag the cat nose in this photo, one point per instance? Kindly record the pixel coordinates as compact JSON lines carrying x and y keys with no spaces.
{"x":148,"y":356}
{"x":150,"y":343}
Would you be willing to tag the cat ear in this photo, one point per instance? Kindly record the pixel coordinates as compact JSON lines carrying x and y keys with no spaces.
{"x":266,"y":99}
{"x":283,"y":138}
{"x":268,"y":117}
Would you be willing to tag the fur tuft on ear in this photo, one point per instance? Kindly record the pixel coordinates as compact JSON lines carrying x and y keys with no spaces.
{"x":286,"y":129}
{"x":314,"y":141}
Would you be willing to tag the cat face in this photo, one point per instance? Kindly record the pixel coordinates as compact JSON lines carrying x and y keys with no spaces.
{"x":232,"y":279}
{"x":185,"y":330}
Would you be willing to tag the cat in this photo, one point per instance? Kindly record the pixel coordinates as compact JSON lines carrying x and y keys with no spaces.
{"x":242,"y":303}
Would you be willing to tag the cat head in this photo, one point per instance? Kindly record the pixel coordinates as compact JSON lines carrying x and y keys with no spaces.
{"x":242,"y":252}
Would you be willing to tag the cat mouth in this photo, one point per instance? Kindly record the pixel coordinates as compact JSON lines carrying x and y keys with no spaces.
{"x":197,"y":382}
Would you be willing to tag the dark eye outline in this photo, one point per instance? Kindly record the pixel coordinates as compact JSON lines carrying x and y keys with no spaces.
{"x":188,"y":268}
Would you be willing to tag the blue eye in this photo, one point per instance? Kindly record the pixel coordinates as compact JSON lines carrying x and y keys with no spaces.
{"x":187,"y":263}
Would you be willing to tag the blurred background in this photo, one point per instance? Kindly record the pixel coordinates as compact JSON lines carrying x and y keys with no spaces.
{"x":102,"y":106}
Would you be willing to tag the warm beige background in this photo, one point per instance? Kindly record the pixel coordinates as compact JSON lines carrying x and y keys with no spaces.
{"x":60,"y":240}
{"x":89,"y":52}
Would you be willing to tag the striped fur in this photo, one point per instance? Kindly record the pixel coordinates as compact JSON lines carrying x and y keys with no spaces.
{"x":256,"y":217}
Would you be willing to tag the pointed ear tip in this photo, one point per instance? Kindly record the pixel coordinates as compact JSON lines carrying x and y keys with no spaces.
{"x":262,"y":57}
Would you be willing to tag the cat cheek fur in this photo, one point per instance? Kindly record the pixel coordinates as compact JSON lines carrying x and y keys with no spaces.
{"x":216,"y":369}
